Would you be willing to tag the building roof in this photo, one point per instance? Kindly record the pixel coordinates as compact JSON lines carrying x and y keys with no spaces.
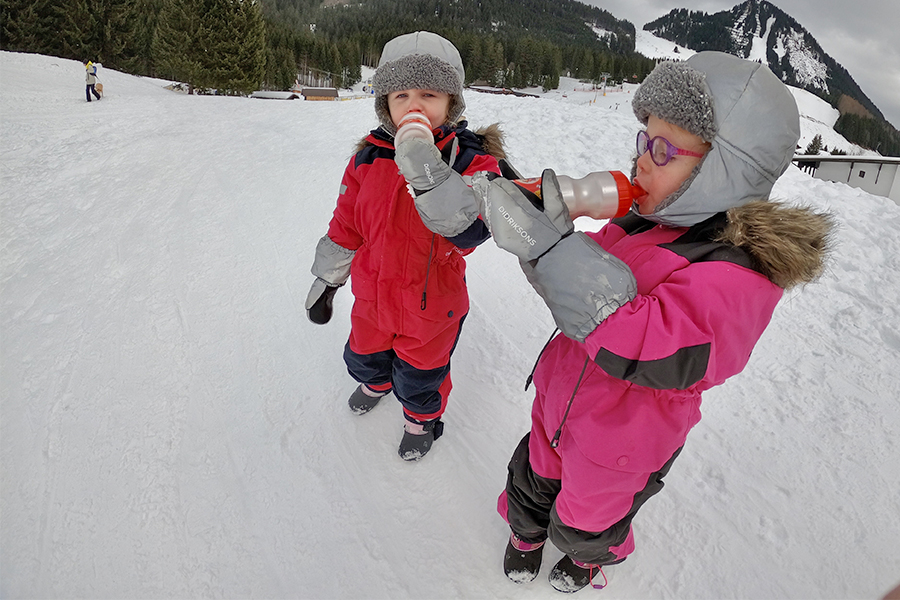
{"x":322,"y":92}
{"x":872,"y":160}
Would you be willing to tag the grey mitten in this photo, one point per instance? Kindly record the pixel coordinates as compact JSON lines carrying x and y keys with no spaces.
{"x":443,"y":200}
{"x":421,"y":164}
{"x":331,"y":268}
{"x":521,"y":222}
{"x":581,"y":283}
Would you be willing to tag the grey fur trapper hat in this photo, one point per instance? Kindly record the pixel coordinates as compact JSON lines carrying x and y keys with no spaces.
{"x":743,"y":110}
{"x":420,"y":60}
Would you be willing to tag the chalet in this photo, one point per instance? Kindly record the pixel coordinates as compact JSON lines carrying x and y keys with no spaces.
{"x":484,"y":89}
{"x":311,"y":93}
{"x":267,"y":95}
{"x":879,"y":175}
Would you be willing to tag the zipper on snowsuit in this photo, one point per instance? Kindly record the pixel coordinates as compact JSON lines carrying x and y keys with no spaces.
{"x":538,"y":359}
{"x":427,"y":274}
{"x":555,"y":442}
{"x":450,"y":158}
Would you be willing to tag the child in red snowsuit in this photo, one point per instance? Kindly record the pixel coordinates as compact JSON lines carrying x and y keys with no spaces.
{"x":657,"y":307}
{"x":403,"y":246}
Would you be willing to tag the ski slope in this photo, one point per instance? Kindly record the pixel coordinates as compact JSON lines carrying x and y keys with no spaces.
{"x":172,"y":426}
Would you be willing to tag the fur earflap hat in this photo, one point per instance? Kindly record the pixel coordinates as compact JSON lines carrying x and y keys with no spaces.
{"x":743,"y":110}
{"x":423,"y":61}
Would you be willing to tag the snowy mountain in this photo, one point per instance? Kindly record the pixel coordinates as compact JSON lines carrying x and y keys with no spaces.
{"x":172,"y":425}
{"x":653,"y":46}
{"x":817,"y":117}
{"x":759,"y":30}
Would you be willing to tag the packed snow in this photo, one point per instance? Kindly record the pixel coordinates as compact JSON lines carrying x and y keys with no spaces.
{"x":652,"y":46}
{"x":174,"y":427}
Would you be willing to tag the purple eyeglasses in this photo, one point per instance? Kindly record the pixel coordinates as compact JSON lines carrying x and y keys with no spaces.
{"x":661,"y":149}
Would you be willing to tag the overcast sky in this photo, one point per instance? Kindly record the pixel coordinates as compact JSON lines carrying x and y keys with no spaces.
{"x":862,"y":35}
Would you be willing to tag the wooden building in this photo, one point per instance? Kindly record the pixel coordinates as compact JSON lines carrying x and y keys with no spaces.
{"x":311,"y":93}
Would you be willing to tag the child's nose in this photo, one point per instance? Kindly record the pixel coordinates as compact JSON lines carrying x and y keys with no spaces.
{"x":644,"y":162}
{"x":415,"y":105}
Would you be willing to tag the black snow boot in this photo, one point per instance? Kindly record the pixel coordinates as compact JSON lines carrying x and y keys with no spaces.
{"x":418,"y":438}
{"x":570,"y":576}
{"x":522,"y":560}
{"x":363,"y":399}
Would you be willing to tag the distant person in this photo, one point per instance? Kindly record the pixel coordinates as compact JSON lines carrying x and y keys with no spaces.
{"x":403,"y":243}
{"x":90,"y":79}
{"x":657,"y":307}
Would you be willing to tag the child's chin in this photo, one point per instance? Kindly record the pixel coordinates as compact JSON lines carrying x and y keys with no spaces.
{"x":645,"y":205}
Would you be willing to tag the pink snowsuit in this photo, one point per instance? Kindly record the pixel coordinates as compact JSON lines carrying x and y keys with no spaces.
{"x":637,"y":380}
{"x":709,"y":265}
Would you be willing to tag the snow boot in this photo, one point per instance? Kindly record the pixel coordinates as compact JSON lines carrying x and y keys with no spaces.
{"x":418,"y":438}
{"x":363,"y":399}
{"x":522,"y":560}
{"x":570,"y":575}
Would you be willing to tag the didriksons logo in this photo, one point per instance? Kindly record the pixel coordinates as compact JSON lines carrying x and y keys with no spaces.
{"x":516,"y":227}
{"x":428,"y":173}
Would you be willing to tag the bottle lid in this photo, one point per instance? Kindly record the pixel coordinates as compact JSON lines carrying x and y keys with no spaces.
{"x":413,"y":125}
{"x":627,"y":193}
{"x":532,"y":184}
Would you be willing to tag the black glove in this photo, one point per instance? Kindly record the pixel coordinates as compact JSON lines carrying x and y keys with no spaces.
{"x":320,"y":302}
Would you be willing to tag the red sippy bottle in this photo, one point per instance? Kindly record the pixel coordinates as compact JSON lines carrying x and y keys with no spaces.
{"x":598,"y":195}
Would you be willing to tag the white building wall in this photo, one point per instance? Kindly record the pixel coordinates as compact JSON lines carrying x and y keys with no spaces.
{"x":834,"y":171}
{"x":878,"y":179}
{"x":895,"y":188}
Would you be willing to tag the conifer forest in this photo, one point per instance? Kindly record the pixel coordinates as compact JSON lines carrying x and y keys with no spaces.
{"x":237,"y":46}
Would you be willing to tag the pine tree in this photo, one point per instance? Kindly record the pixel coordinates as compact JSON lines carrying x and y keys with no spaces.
{"x":29,"y":26}
{"x":815,"y":145}
{"x":281,"y":68}
{"x":351,"y":73}
{"x":495,"y":62}
{"x":176,"y":45}
{"x":248,"y":47}
{"x":528,"y":63}
{"x":97,"y":30}
{"x":551,"y":68}
{"x":212,"y":44}
{"x":139,"y":55}
{"x":77,"y":26}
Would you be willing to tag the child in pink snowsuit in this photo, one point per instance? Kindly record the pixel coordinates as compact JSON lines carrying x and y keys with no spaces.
{"x":657,"y":307}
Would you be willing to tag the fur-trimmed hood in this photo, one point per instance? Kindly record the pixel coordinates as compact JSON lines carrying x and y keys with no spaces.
{"x":788,"y":244}
{"x":744,"y":111}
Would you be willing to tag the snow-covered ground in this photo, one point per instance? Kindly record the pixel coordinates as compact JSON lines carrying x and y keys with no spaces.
{"x":174,"y":427}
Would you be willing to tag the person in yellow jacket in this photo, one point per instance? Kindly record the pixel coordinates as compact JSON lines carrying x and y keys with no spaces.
{"x":90,"y":79}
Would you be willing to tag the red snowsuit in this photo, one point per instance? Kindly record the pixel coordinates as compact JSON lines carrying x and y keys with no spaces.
{"x":408,"y":282}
